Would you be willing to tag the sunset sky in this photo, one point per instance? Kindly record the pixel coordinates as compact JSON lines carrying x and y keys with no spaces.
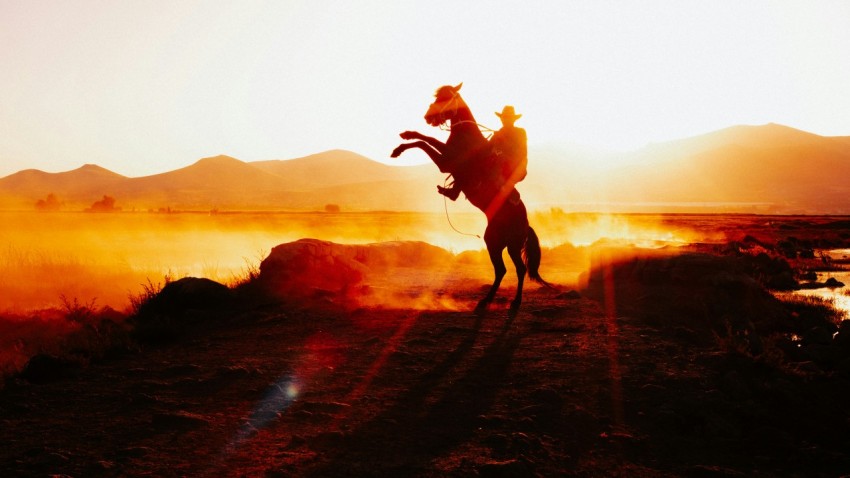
{"x":142,"y":87}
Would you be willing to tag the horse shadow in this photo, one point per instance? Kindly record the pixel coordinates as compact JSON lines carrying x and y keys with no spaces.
{"x":443,"y":409}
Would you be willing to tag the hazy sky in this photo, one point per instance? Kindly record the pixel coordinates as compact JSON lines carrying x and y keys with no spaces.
{"x":142,"y":87}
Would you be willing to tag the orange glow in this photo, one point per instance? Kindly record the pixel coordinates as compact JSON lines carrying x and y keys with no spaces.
{"x":106,"y":258}
{"x":558,"y":227}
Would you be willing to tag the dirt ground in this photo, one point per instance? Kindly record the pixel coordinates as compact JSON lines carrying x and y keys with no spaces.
{"x":561,"y":390}
{"x":572,"y":386}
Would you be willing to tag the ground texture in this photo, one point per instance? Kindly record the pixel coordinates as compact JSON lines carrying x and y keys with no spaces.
{"x":563,"y":389}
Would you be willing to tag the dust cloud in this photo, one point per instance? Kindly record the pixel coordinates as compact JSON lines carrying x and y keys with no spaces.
{"x":108,"y":258}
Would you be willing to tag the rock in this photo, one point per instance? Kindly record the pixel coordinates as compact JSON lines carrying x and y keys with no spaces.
{"x":703,"y":292}
{"x":833,"y":283}
{"x":842,"y":338}
{"x":303,"y":267}
{"x":43,"y":368}
{"x":185,"y":294}
{"x":817,"y":336}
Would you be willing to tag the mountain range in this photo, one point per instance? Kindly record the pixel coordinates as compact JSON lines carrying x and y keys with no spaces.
{"x":767,"y":169}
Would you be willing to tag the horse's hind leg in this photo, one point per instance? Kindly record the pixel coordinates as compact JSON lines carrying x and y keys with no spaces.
{"x":500,"y":270}
{"x":515,"y":251}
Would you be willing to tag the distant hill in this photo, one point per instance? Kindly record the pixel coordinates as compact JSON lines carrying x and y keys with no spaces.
{"x":335,"y":168}
{"x":336,"y":177}
{"x":79,"y":181}
{"x":24,"y":188}
{"x":775,"y":168}
{"x":765,"y":169}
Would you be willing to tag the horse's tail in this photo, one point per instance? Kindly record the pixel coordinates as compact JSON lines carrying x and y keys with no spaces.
{"x":531,"y":255}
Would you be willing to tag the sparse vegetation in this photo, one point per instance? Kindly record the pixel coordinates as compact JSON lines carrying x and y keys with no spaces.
{"x":250,"y":271}
{"x":814,"y":311}
{"x":40,"y":342}
{"x":107,"y":204}
{"x":148,"y":292}
{"x":50,"y":203}
{"x":77,"y":312}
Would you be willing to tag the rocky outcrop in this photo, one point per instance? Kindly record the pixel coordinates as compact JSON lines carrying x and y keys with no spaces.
{"x":311,"y":267}
{"x":703,"y":293}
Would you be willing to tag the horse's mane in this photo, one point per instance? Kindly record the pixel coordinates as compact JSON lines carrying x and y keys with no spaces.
{"x":446,"y":90}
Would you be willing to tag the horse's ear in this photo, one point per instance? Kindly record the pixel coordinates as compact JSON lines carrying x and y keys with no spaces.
{"x":457,"y":88}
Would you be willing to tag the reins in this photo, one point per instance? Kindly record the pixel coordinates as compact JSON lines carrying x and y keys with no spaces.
{"x":443,"y":127}
{"x":481,"y":127}
{"x":449,"y":219}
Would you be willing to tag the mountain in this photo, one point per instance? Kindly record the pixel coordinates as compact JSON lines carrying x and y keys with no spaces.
{"x":777,"y":168}
{"x":766,"y":169}
{"x":333,"y":177}
{"x":335,"y":168}
{"x":80,"y":179}
{"x":220,"y":181}
{"x":89,"y":181}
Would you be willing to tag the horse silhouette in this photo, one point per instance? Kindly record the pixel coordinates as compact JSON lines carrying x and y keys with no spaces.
{"x":464,"y":155}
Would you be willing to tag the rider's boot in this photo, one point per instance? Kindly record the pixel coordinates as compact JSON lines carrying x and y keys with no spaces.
{"x":451,"y":193}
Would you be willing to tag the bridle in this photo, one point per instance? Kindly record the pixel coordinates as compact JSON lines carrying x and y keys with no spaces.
{"x":444,"y":120}
{"x":453,"y":103}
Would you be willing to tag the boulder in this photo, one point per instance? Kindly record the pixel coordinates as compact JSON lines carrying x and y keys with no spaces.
{"x":311,"y":267}
{"x":706,"y":293}
{"x":189,"y":293}
{"x":44,"y":368}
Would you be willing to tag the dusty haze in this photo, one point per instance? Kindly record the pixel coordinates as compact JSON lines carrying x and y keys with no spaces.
{"x":109,"y":257}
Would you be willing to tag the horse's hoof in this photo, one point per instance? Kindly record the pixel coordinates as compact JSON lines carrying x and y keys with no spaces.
{"x":480,"y":309}
{"x":513,"y":311}
{"x":408,"y":135}
{"x":397,"y":152}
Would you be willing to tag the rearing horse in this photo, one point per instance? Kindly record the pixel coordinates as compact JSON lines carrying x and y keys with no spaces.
{"x":464,"y":155}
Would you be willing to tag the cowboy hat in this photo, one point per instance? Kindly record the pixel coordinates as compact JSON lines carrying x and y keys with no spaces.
{"x":508,"y":114}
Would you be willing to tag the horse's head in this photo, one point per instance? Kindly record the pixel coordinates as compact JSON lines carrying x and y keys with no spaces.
{"x":446,"y":105}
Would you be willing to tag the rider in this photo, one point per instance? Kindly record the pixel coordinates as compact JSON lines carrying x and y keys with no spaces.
{"x":506,"y":164}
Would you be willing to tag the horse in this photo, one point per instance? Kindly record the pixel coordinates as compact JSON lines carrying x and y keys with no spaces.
{"x":465,"y":156}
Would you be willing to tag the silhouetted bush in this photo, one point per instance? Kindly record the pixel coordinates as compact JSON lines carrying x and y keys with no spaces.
{"x":168,"y":314}
{"x":51,"y":203}
{"x":107,"y":204}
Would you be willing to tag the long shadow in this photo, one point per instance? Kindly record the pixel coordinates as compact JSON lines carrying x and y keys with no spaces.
{"x":404,"y":439}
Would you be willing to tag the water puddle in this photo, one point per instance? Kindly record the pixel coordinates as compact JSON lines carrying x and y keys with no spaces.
{"x":838,"y":296}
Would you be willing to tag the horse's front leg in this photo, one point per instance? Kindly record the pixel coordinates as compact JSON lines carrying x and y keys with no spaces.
{"x":433,"y":142}
{"x":433,"y":153}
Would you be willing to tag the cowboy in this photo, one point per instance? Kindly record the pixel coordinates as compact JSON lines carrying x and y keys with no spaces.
{"x":510,"y":148}
{"x":508,"y":159}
